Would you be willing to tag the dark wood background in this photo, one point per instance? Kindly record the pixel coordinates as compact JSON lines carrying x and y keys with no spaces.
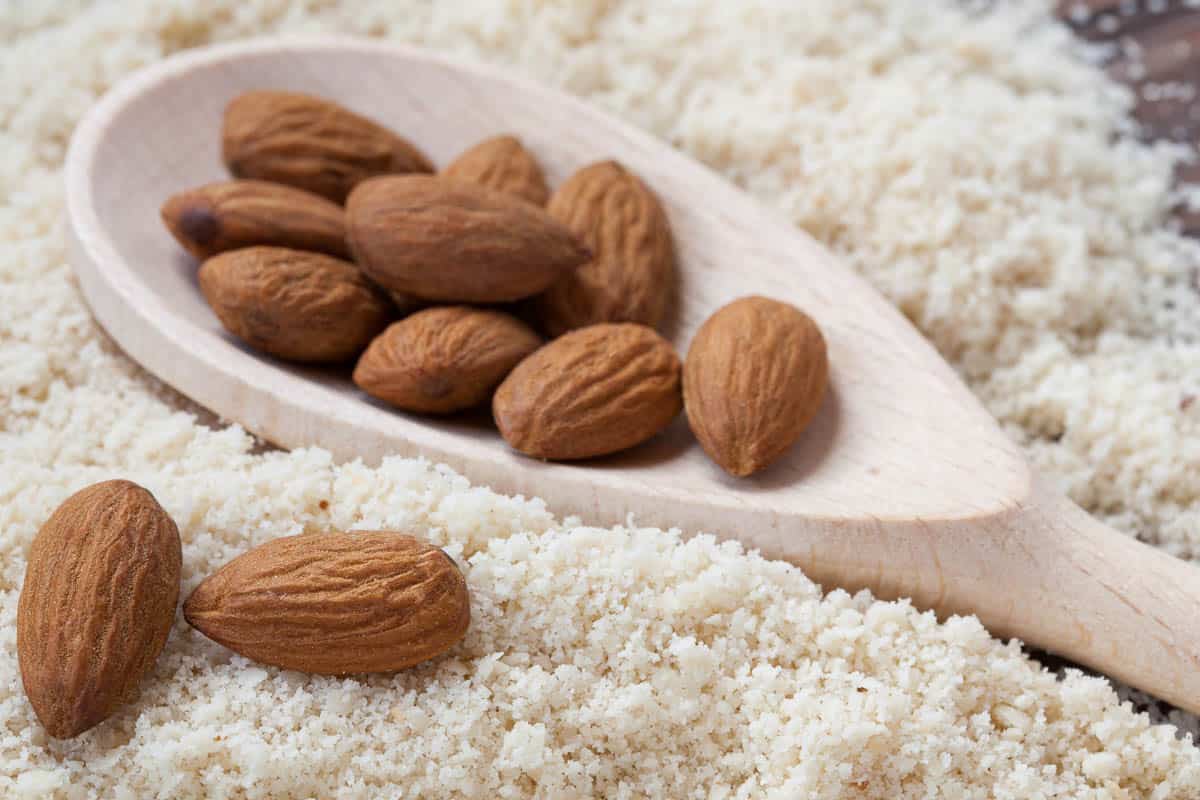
{"x":1167,"y":35}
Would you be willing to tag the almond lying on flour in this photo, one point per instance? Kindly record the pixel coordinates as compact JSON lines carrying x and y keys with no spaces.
{"x":310,"y":143}
{"x":293,"y":304}
{"x":335,"y":603}
{"x":753,"y":380}
{"x":97,"y":604}
{"x":230,"y":214}
{"x":631,"y":274}
{"x":444,"y":359}
{"x":501,"y":163}
{"x":591,"y":392}
{"x":446,"y":240}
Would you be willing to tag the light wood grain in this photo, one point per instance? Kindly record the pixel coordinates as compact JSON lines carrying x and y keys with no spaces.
{"x":904,"y":484}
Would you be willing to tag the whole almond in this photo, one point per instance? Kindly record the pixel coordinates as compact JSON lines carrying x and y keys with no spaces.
{"x":335,"y":603}
{"x":231,"y":214}
{"x":97,"y":604}
{"x":310,"y":143}
{"x":447,"y":240}
{"x":753,"y":380}
{"x":591,"y":392}
{"x":631,"y":275}
{"x":293,"y":304}
{"x":503,"y":164}
{"x":444,"y":359}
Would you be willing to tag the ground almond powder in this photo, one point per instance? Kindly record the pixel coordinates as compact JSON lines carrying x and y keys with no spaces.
{"x":975,"y":166}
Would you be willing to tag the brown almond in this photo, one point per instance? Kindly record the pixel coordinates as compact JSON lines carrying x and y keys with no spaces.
{"x":97,"y":604}
{"x":631,"y":275}
{"x":293,"y":304}
{"x":593,"y":391}
{"x":335,"y":603}
{"x":753,"y":380}
{"x":405,"y":303}
{"x":231,"y":214}
{"x":501,"y":163}
{"x":450,"y":241}
{"x":444,"y":359}
{"x":310,"y":143}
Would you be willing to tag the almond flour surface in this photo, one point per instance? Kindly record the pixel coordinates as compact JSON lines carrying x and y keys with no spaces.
{"x":975,"y":166}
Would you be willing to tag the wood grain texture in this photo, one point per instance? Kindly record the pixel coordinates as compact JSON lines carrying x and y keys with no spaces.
{"x":903,"y":483}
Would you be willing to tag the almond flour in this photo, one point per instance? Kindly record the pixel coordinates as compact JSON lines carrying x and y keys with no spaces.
{"x":965,"y":163}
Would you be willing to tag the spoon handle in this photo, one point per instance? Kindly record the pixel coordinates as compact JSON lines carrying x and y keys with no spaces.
{"x":1043,"y":571}
{"x":1075,"y":587}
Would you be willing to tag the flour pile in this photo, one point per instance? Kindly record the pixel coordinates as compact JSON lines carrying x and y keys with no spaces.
{"x":971,"y":165}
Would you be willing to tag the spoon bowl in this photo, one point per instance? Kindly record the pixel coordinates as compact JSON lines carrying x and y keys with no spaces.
{"x":903,"y":484}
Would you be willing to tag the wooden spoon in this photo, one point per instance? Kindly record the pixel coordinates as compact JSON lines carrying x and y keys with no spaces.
{"x":904,"y":484}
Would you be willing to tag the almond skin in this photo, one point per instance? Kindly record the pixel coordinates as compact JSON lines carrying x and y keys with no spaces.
{"x":405,"y":303}
{"x":295,"y":305}
{"x":503,"y":164}
{"x":335,"y":603}
{"x":451,"y":241}
{"x":232,"y":214}
{"x":631,"y":275}
{"x":754,"y":378}
{"x":310,"y":143}
{"x":97,"y":604}
{"x":444,"y":359}
{"x":591,"y":392}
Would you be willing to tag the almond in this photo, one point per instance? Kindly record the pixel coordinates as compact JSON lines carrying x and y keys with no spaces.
{"x":293,"y":304}
{"x":503,"y":164}
{"x":594,"y":391}
{"x":446,"y":240}
{"x":405,"y":303}
{"x":631,"y":275}
{"x":231,"y":214}
{"x":753,"y":380}
{"x":310,"y":143}
{"x":444,"y":359}
{"x":97,"y":604}
{"x":335,"y":603}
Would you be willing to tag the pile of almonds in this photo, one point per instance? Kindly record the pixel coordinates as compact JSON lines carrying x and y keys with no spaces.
{"x":442,"y":287}
{"x":102,"y":584}
{"x":446,"y":287}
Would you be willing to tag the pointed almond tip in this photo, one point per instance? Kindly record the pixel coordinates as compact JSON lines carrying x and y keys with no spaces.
{"x":171,"y":207}
{"x":63,"y":728}
{"x":741,"y":469}
{"x":195,"y":607}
